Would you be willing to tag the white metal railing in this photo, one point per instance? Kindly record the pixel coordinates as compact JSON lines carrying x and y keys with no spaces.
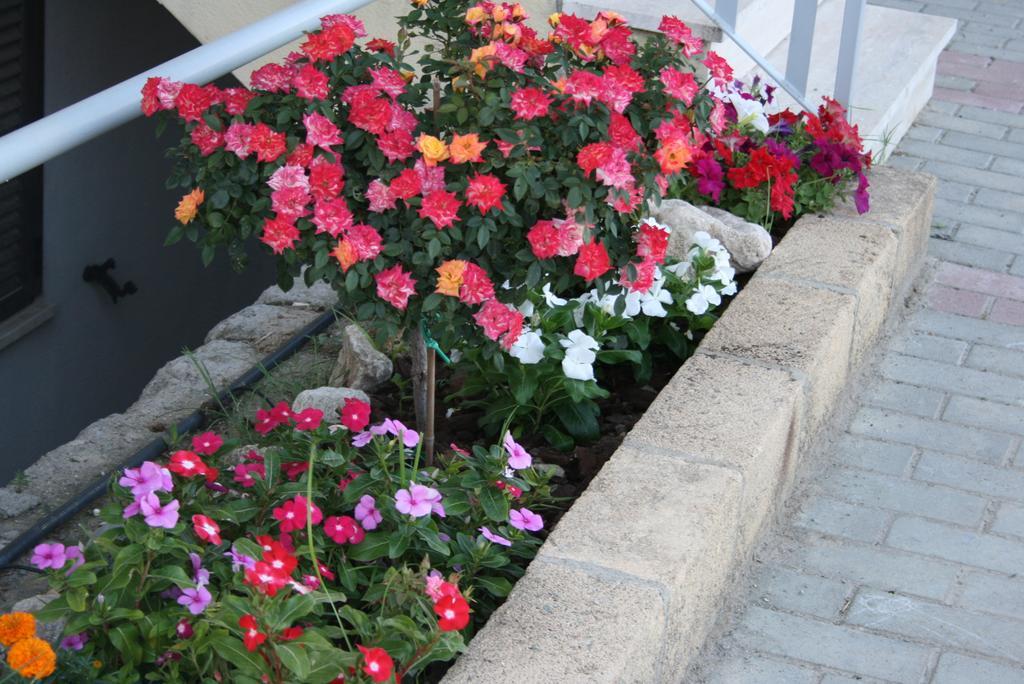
{"x":801,"y":39}
{"x":42,"y":140}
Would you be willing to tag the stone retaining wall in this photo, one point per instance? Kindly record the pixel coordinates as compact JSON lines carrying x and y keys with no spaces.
{"x":630,"y":581}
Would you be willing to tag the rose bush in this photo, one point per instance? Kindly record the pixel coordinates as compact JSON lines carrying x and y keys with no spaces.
{"x":324,"y":553}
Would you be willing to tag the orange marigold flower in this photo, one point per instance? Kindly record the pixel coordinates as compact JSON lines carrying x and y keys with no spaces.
{"x":188,"y":207}
{"x":433,"y":149}
{"x":449,"y":277}
{"x":466,"y":148}
{"x":32,"y":658}
{"x":16,"y":626}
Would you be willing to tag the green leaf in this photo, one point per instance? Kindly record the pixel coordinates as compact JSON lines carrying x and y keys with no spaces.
{"x":619,"y":355}
{"x":173,"y":574}
{"x":374,"y":546}
{"x":557,"y":438}
{"x":295,"y":658}
{"x":494,"y":503}
{"x":233,"y":651}
{"x":579,"y":419}
{"x":81,"y":578}
{"x":397,"y":544}
{"x":175,"y":235}
{"x":296,"y":607}
{"x":496,"y":586}
{"x":125,"y":638}
{"x":215,"y":219}
{"x":76,"y":599}
{"x":207,"y":254}
{"x":220,"y":199}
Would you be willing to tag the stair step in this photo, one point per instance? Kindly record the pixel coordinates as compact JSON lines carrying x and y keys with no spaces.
{"x":895,"y":69}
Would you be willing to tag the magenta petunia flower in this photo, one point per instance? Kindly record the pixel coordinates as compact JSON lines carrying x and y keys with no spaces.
{"x":49,"y":556}
{"x":158,"y":514}
{"x":495,"y":538}
{"x":525,"y":519}
{"x":195,"y":600}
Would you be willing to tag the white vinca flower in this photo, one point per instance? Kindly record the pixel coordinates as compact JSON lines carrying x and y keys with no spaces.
{"x":580,"y":354}
{"x":702,"y":299}
{"x":550,"y":298}
{"x":529,"y":348}
{"x":703,"y":239}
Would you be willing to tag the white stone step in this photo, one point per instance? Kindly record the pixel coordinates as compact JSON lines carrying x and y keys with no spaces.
{"x":895,"y":69}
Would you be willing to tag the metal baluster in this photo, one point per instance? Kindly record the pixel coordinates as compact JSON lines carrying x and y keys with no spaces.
{"x":728,"y":10}
{"x":853,"y":22}
{"x":801,"y":40}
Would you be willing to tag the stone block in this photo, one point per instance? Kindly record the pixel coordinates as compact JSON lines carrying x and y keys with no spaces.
{"x":704,"y":415}
{"x":263,"y":326}
{"x":857,"y":256}
{"x":572,"y":624}
{"x":319,"y":296}
{"x":683,"y":538}
{"x":801,"y":328}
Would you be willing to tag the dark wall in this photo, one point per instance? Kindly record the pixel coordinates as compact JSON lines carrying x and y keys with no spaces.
{"x":107,"y":199}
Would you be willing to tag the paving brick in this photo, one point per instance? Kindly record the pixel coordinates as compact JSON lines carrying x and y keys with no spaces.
{"x":926,"y":346}
{"x":963,"y":328}
{"x":992,"y":52}
{"x":925,"y":150}
{"x":930,"y":434}
{"x":902,"y":397}
{"x":975,"y":215}
{"x":993,"y":117}
{"x":831,"y":645}
{"x":942,"y":107}
{"x":1004,"y":90}
{"x":999,"y":148}
{"x":1016,"y":135}
{"x":882,"y":568}
{"x":902,"y":161}
{"x":870,"y":454}
{"x":1004,"y":361}
{"x":993,"y":594}
{"x":968,"y":381}
{"x":950,"y":122}
{"x":1003,"y":242}
{"x":956,"y":544}
{"x":1007,"y":311}
{"x":832,"y":678}
{"x":955,"y":82}
{"x":1008,"y":166}
{"x":1003,"y":104}
{"x":985,"y":414}
{"x":939,"y":624}
{"x":955,"y":192}
{"x":996,"y":284}
{"x":965,"y":174}
{"x":1017,"y":268}
{"x":755,"y":669}
{"x":970,"y":475}
{"x":954,"y":57}
{"x":1010,"y":520}
{"x":970,"y":255}
{"x":956,"y":668}
{"x":925,"y":133}
{"x":963,"y":302}
{"x":996,"y":198}
{"x":784,"y":589}
{"x":840,"y":519}
{"x":903,"y":496}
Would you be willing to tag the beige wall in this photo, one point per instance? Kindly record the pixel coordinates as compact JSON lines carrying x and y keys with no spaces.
{"x":211,"y":19}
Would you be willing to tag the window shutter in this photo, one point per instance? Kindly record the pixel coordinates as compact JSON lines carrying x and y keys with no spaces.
{"x":21,"y":74}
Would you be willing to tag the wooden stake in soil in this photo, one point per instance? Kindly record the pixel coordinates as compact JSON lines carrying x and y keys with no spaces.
{"x":428,"y":429}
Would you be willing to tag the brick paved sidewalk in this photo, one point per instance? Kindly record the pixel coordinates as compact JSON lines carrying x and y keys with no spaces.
{"x":905,"y":561}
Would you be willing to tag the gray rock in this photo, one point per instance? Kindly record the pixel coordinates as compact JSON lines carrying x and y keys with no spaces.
{"x":263,"y":326}
{"x":327,"y":399}
{"x":50,"y":631}
{"x":748,"y":243}
{"x":360,"y":364}
{"x":319,"y":296}
{"x":14,"y":503}
{"x":177,"y":389}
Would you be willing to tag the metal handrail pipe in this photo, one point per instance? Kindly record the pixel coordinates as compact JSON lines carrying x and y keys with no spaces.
{"x":768,"y":69}
{"x":42,"y":140}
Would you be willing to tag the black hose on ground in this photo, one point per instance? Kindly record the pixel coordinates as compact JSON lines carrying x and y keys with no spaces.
{"x":69,"y":509}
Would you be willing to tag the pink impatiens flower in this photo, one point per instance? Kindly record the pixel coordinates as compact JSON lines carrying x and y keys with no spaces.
{"x":494,"y":538}
{"x":518,"y":457}
{"x":159,"y":514}
{"x":49,"y":556}
{"x":367,"y":514}
{"x":417,"y":500}
{"x":525,"y":519}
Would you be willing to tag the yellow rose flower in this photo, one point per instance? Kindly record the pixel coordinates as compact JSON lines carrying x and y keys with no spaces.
{"x":449,"y":277}
{"x":475,"y":14}
{"x":433,"y":149}
{"x":555,"y":19}
{"x":188,"y":207}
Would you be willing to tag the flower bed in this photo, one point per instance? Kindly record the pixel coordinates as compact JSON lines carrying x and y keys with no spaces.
{"x":342,"y":551}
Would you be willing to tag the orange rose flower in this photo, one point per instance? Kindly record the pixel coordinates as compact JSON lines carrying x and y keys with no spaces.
{"x":32,"y":658}
{"x":449,"y":277}
{"x":673,"y":156}
{"x":466,"y":148}
{"x":16,"y":626}
{"x":433,"y":149}
{"x":482,"y":58}
{"x":188,"y":207}
{"x":346,"y":255}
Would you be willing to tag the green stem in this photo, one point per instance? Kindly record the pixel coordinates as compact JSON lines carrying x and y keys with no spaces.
{"x":312,"y":549}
